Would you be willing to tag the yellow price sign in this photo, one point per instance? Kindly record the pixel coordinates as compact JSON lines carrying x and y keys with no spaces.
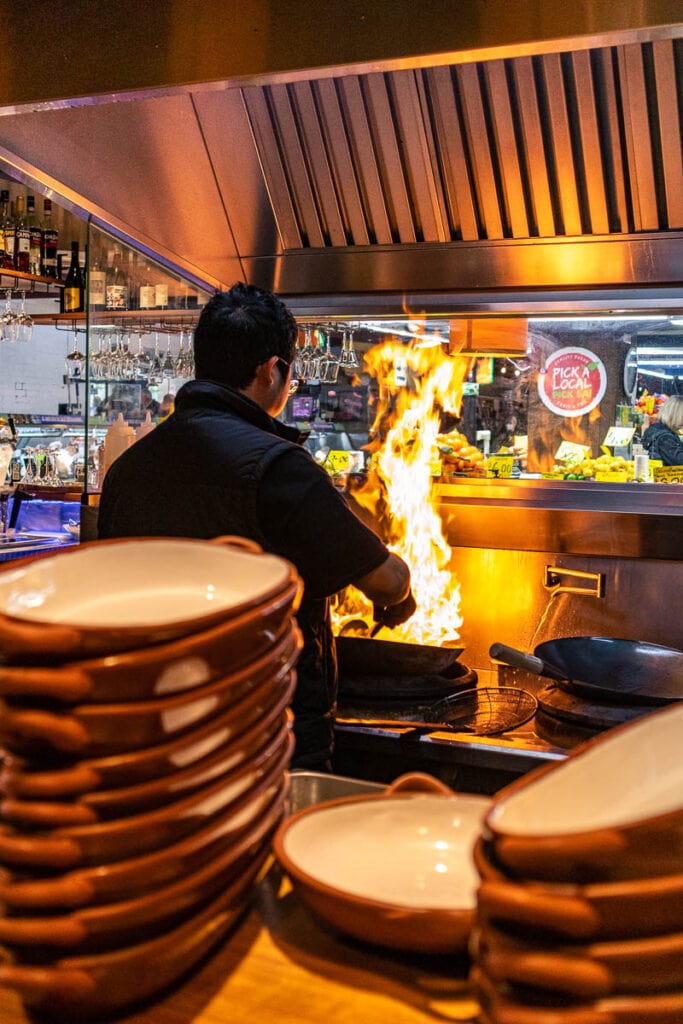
{"x":668,"y":474}
{"x":499,"y":465}
{"x":615,"y":476}
{"x":336,"y":462}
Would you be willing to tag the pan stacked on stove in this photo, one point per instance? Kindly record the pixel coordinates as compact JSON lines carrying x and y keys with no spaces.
{"x":580,"y":903}
{"x":140,"y":790}
{"x":595,"y":683}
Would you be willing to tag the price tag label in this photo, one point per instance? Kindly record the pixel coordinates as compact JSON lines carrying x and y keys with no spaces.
{"x":572,"y":453}
{"x":337,"y":462}
{"x":499,"y":465}
{"x":619,"y":476}
{"x":618,"y":437}
{"x":667,"y":474}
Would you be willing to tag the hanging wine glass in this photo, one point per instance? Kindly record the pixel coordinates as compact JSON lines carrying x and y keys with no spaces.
{"x":97,"y":356}
{"x":329,"y":364}
{"x":9,"y":326}
{"x":75,"y":360}
{"x":351,"y":360}
{"x":24,"y":320}
{"x":168,"y":365}
{"x":141,"y":359}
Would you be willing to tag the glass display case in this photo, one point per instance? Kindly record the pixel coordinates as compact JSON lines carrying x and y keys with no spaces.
{"x":559,"y":397}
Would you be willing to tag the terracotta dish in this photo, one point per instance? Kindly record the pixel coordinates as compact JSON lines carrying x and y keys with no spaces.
{"x":611,"y":810}
{"x":90,"y":777}
{"x":117,"y":803}
{"x":101,"y":983}
{"x":110,"y":925}
{"x":591,"y":971}
{"x":92,"y":730}
{"x":606,"y":910}
{"x":116,"y":595}
{"x":67,"y":846}
{"x":254,"y":813}
{"x":500,"y":1006}
{"x":393,"y":869}
{"x":160,"y":670}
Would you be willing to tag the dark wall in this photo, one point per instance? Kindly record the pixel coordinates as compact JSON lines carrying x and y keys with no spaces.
{"x":89,"y":47}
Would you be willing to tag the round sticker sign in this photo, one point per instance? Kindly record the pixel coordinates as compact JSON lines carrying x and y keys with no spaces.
{"x":572,"y":382}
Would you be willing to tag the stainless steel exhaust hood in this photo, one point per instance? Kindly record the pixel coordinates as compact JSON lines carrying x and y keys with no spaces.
{"x":464,"y":184}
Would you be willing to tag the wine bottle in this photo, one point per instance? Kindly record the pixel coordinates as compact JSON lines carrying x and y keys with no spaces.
{"x":5,"y":261}
{"x":9,"y":233}
{"x":50,"y":240}
{"x":22,"y":237}
{"x":97,"y":284}
{"x":35,"y":236}
{"x":147,"y":290}
{"x":73,"y":291}
{"x":116,"y":287}
{"x":161,"y":295}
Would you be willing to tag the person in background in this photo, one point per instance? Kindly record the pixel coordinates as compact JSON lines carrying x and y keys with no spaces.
{"x":166,"y":406}
{"x":223,"y":464}
{"x":661,"y":440}
{"x":148,"y":403}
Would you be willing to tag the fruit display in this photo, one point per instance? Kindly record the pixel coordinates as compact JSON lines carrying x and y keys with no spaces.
{"x":458,"y":455}
{"x":649,"y":404}
{"x":587,"y":469}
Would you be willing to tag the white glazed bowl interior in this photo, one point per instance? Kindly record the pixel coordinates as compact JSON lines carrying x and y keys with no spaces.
{"x":139,"y":582}
{"x":631,"y":775}
{"x":413,"y":851}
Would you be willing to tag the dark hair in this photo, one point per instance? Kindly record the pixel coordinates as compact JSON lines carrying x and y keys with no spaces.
{"x":237,"y":331}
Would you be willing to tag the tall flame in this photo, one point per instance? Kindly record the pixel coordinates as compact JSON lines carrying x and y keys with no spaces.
{"x":416,"y":383}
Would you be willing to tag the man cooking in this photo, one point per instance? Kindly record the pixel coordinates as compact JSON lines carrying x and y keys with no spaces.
{"x":223,"y":464}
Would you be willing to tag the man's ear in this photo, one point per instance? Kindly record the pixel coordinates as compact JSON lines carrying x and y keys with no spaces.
{"x":265,"y":372}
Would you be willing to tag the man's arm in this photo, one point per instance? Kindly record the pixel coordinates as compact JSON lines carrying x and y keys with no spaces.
{"x":388,"y":587}
{"x":388,"y":584}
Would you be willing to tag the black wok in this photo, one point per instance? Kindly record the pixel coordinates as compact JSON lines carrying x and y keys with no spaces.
{"x":359,"y":656}
{"x":643,"y":673}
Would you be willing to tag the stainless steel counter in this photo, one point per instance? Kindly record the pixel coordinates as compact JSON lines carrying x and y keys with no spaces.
{"x":572,"y":517}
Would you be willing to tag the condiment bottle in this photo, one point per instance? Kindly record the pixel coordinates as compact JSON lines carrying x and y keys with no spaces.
{"x":119,"y":436}
{"x":145,"y":427}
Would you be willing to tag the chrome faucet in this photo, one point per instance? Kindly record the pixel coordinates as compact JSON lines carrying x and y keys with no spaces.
{"x":554,"y":576}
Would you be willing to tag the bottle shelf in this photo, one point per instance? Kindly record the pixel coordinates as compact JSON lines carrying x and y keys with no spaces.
{"x":36,"y":284}
{"x":127,"y":317}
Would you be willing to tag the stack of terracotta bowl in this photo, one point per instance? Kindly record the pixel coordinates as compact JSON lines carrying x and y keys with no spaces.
{"x":146,"y":737}
{"x":580,"y":904}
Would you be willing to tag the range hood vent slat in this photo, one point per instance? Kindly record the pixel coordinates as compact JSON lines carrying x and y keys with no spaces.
{"x":555,"y":145}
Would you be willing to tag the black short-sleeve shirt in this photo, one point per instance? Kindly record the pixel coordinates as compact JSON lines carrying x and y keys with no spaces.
{"x":309,"y":522}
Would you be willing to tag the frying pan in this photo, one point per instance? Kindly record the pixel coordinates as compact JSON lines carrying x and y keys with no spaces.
{"x":604,"y":667}
{"x":359,"y":655}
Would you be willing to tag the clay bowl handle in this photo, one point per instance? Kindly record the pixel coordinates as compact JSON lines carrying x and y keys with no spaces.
{"x":22,"y":638}
{"x":49,"y":983}
{"x":573,"y":917}
{"x":418,"y":782}
{"x":61,"y":732}
{"x":67,"y":685}
{"x":586,"y":979}
{"x":554,"y":857}
{"x":238,"y":542}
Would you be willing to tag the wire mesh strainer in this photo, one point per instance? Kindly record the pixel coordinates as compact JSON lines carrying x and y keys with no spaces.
{"x":486,"y":710}
{"x":483,"y":711}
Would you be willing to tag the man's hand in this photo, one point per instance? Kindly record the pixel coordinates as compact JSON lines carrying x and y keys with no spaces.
{"x":394,"y":614}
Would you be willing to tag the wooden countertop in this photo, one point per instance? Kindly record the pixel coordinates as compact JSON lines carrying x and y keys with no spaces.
{"x":279,"y":966}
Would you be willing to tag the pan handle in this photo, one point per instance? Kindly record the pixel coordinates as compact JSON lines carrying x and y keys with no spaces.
{"x":520,"y":659}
